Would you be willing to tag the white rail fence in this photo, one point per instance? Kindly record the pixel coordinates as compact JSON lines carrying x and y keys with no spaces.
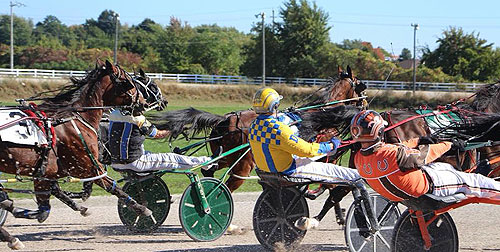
{"x":221,"y":79}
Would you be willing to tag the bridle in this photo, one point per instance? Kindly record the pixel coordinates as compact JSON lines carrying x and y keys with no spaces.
{"x":121,"y":83}
{"x":150,"y":91}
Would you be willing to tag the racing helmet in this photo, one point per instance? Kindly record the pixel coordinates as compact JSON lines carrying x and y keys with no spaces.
{"x":367,"y":126}
{"x":266,"y":100}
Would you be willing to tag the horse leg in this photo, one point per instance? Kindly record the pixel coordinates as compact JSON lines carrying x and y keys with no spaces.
{"x":243,"y":169}
{"x":84,"y":194}
{"x":333,"y":200}
{"x":12,"y":242}
{"x":62,"y":196}
{"x":110,"y":186}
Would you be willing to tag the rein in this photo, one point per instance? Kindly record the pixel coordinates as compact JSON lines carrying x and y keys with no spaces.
{"x":416,"y":117}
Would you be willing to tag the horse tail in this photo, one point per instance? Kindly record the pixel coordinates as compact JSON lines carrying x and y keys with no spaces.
{"x":338,"y":117}
{"x":185,"y":121}
{"x":481,"y":127}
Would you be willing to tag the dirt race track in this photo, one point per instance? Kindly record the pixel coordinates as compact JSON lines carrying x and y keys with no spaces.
{"x":66,"y":230}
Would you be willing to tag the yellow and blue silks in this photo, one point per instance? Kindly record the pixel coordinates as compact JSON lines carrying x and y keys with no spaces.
{"x":273,"y":143}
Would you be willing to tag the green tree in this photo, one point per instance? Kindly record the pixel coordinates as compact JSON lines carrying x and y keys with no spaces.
{"x":253,"y":52}
{"x":174,"y":47}
{"x":463,"y":54}
{"x":405,"y":54}
{"x":52,"y":27}
{"x":23,"y":29}
{"x":303,"y":33}
{"x":217,"y":50}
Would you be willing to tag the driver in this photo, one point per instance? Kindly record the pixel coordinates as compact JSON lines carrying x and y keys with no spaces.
{"x":127,"y":133}
{"x":277,"y":149}
{"x":406,"y":171}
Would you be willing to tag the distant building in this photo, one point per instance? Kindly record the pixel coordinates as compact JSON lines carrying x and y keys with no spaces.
{"x":407,"y":64}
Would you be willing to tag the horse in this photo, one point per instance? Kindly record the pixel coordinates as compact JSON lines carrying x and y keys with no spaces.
{"x":71,"y":145}
{"x":231,"y":130}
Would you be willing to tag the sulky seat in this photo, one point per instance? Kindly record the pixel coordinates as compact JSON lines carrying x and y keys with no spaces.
{"x":430,"y":202}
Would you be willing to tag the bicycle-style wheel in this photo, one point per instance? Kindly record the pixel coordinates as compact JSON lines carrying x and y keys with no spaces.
{"x":273,"y":221}
{"x":197,"y":224}
{"x":152,"y":193}
{"x":407,"y":236}
{"x":357,"y":234}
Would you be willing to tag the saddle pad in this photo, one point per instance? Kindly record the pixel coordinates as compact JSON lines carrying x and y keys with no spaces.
{"x":22,"y":132}
{"x":439,"y":120}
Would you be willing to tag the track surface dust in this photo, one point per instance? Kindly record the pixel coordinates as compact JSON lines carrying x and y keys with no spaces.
{"x":66,"y":230}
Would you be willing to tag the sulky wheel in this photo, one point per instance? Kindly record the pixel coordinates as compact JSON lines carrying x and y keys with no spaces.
{"x":407,"y":237}
{"x":273,"y":219}
{"x":197,"y":224}
{"x":357,"y":234}
{"x":152,"y":193}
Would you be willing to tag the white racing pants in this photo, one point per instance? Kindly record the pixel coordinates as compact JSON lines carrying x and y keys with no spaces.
{"x":448,"y":181}
{"x":161,"y":161}
{"x":323,"y":172}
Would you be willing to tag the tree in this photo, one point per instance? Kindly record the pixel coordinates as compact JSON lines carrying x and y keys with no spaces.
{"x":23,"y":29}
{"x":462,"y":54}
{"x":174,"y":47}
{"x":405,"y":54}
{"x":303,"y":33}
{"x":51,"y":27}
{"x":253,"y":52}
{"x":217,"y":50}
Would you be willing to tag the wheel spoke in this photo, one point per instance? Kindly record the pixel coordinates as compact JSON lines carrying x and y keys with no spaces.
{"x":292,"y":228}
{"x":362,"y":245}
{"x":275,"y":219}
{"x":392,"y":208}
{"x":387,"y":228}
{"x":216,"y":221}
{"x":270,"y":206}
{"x":295,"y":216}
{"x":382,"y":239}
{"x":272,"y":232}
{"x":292,"y":203}
{"x":359,"y":229}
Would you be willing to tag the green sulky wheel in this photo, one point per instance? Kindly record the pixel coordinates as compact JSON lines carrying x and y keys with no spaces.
{"x":152,"y":193}
{"x":199,"y":225}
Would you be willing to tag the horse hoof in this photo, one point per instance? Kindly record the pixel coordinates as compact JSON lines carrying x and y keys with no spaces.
{"x":305,"y":223}
{"x":84,"y":212}
{"x":235,"y":230}
{"x":15,"y":244}
{"x":42,"y":216}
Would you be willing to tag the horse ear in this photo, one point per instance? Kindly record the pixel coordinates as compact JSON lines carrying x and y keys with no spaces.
{"x":349,"y":72}
{"x":141,"y":72}
{"x":110,"y":66}
{"x":339,"y":70}
{"x":99,"y":63}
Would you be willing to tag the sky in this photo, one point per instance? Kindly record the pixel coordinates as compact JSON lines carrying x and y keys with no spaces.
{"x":385,"y":24}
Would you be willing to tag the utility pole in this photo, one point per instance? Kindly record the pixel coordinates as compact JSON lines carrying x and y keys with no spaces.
{"x":415,"y":28}
{"x":263,"y":15}
{"x":117,"y":19}
{"x":12,"y":5}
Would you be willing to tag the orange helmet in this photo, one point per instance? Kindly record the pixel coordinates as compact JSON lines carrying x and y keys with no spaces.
{"x":367,"y":126}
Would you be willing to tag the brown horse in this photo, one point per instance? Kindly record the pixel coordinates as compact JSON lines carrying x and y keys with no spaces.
{"x":231,"y":130}
{"x":75,"y":112}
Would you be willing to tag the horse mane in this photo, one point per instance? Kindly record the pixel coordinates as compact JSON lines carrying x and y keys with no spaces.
{"x":482,"y":127}
{"x":323,"y":94}
{"x":338,"y":117}
{"x":188,"y":121}
{"x":67,"y":95}
{"x":488,"y":95}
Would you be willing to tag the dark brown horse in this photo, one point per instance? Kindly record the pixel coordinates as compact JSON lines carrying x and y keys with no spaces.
{"x":75,"y":112}
{"x":231,"y":130}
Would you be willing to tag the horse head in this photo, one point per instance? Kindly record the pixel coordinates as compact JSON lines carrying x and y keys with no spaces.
{"x":347,"y":86}
{"x":119,"y":87}
{"x":150,"y":91}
